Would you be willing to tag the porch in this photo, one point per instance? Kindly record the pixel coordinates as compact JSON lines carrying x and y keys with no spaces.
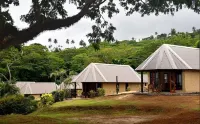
{"x":88,"y":86}
{"x":163,"y":81}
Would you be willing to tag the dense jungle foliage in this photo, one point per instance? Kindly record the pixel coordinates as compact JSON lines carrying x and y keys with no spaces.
{"x":37,"y":62}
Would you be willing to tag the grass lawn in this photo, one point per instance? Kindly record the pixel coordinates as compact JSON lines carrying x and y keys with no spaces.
{"x":115,"y":109}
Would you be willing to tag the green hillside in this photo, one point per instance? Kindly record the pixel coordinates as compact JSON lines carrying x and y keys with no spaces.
{"x":36,"y":62}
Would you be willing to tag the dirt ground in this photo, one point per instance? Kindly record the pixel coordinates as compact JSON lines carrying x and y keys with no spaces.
{"x":177,"y":110}
{"x":122,"y":109}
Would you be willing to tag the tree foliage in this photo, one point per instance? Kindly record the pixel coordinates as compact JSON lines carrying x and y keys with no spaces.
{"x":36,"y":63}
{"x":47,"y":15}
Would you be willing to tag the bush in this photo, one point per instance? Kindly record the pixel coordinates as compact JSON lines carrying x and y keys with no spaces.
{"x":92,"y":93}
{"x":58,"y":95}
{"x":100,"y":92}
{"x":55,"y":96}
{"x":31,"y":97}
{"x":67,"y":93}
{"x":8,"y":89}
{"x":17,"y":104}
{"x":79,"y":93}
{"x":61,"y":95}
{"x":47,"y":99}
{"x":128,"y":89}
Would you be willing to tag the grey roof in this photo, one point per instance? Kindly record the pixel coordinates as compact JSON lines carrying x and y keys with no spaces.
{"x":99,"y":72}
{"x":172,"y":57}
{"x":36,"y":87}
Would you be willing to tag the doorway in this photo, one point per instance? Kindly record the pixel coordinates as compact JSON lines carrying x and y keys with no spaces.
{"x":165,"y":82}
{"x":168,"y":80}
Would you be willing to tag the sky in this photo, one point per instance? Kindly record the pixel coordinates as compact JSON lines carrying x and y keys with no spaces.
{"x":127,"y":26}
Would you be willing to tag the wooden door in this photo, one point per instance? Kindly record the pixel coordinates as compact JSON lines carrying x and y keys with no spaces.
{"x":165,"y":82}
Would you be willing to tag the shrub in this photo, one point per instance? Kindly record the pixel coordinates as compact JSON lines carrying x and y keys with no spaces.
{"x":128,"y":89}
{"x":58,"y":95}
{"x":61,"y":95}
{"x":31,"y":97}
{"x":47,"y":99}
{"x":100,"y":92}
{"x":55,"y":96}
{"x":79,"y":93}
{"x":17,"y":104}
{"x":92,"y":93}
{"x":8,"y":89}
{"x":67,"y":93}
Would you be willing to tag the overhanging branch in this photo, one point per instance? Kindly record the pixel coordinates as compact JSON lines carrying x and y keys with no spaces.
{"x":25,"y":35}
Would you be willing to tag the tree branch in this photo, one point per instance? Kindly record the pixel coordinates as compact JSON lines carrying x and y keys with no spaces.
{"x":36,"y":7}
{"x":4,"y":76}
{"x":10,"y":76}
{"x":28,"y":34}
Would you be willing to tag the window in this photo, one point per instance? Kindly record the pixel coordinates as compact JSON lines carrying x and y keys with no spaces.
{"x":157,"y":80}
{"x":99,"y":85}
{"x":179,"y":81}
{"x":154,"y":78}
{"x":126,"y":87}
{"x":165,"y":78}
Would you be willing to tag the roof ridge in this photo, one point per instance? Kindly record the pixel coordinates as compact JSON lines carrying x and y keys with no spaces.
{"x":30,"y":89}
{"x":93,"y":72}
{"x":137,"y":75}
{"x":80,"y":73}
{"x":181,"y":46}
{"x":109,"y":64}
{"x":100,"y":73}
{"x":169,"y":57}
{"x":44,"y":82}
{"x":179,"y":58}
{"x":150,"y":58}
{"x":87,"y":72}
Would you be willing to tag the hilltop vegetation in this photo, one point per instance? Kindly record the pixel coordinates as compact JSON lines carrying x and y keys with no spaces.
{"x":36,"y":62}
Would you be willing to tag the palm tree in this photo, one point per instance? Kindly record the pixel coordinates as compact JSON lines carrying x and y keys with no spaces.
{"x":55,"y":41}
{"x":58,"y":74}
{"x":173,"y":31}
{"x":54,"y":74}
{"x":49,"y":40}
{"x":193,"y":29}
{"x":72,"y":42}
{"x":156,"y":33}
{"x":67,"y":82}
{"x":67,"y":42}
{"x":82,"y":43}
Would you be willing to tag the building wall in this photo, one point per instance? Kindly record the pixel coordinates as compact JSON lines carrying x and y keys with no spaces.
{"x":135,"y":86}
{"x":110,"y":88}
{"x":37,"y":96}
{"x":122,"y":87}
{"x":191,"y":81}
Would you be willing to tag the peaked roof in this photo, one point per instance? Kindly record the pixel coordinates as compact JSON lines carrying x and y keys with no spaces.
{"x":172,"y":57}
{"x":36,"y":87}
{"x":99,"y":72}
